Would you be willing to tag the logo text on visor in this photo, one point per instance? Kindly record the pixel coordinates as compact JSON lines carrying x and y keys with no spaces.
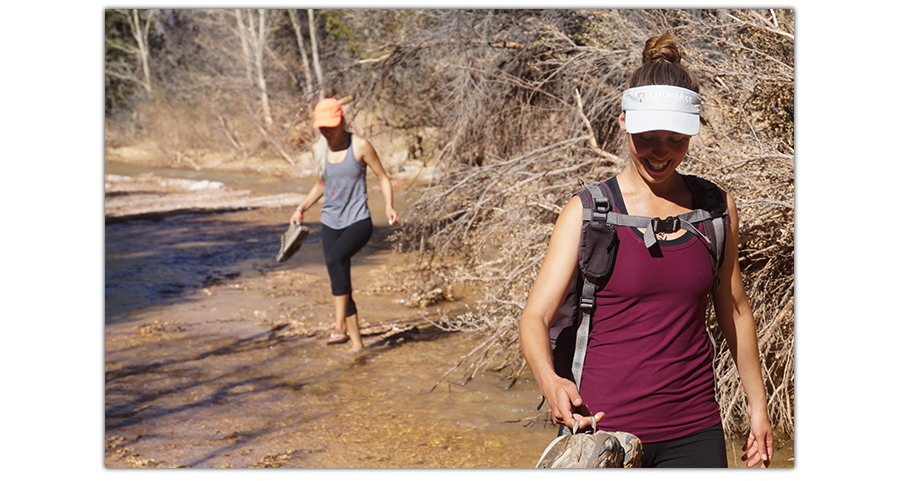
{"x":661,"y":107}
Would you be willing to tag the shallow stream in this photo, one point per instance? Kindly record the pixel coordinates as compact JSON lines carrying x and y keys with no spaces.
{"x":200,"y":373}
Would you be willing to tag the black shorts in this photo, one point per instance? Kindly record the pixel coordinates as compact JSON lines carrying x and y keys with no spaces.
{"x":702,"y":449}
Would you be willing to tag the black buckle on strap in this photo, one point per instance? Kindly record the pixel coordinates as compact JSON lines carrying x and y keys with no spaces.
{"x":669,"y":224}
{"x":601,"y":205}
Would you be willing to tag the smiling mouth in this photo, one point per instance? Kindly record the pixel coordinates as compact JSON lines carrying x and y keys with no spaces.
{"x":657,"y":166}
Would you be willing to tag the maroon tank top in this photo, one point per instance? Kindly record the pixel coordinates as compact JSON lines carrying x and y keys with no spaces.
{"x":648,"y":364}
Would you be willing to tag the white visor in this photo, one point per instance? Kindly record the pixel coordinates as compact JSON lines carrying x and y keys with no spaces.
{"x":661,"y":107}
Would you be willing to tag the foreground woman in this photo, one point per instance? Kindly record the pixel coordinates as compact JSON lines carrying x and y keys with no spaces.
{"x":341,"y":162}
{"x":648,"y":364}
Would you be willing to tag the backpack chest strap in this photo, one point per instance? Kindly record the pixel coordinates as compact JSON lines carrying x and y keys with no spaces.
{"x":655,"y":225}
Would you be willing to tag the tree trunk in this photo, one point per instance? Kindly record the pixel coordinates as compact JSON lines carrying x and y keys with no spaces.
{"x":315,"y":52}
{"x":258,"y":39}
{"x":140,"y":35}
{"x":306,"y":72}
{"x":245,"y":45}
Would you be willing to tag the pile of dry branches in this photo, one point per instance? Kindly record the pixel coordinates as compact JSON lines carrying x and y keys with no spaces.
{"x":512,"y":107}
{"x":527,"y":110}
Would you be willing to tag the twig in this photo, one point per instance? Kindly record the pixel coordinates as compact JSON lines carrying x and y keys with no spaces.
{"x":778,"y":319}
{"x":591,"y":138}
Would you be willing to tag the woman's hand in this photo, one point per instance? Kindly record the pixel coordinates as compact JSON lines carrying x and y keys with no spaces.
{"x":566,"y":405}
{"x":297,"y":217}
{"x":760,"y":445}
{"x":392,"y":215}
{"x":562,"y":396}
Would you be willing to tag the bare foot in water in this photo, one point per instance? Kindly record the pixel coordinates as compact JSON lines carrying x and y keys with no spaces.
{"x":354,"y":354}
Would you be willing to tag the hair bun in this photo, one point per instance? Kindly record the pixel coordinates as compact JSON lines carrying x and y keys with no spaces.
{"x":662,"y":47}
{"x":661,"y":65}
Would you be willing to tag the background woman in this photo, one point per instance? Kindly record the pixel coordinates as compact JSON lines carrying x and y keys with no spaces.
{"x":342,"y":158}
{"x":648,"y":368}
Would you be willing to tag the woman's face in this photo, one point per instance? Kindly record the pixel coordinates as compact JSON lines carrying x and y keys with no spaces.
{"x":657,"y":153}
{"x":332,"y":133}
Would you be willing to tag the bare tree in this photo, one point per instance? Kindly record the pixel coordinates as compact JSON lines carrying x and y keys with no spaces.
{"x":258,"y":44}
{"x":245,"y":44}
{"x":315,"y":51}
{"x":140,"y":31}
{"x":302,"y":46}
{"x":253,"y":44}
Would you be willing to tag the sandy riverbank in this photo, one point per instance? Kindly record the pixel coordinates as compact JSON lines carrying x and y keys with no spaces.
{"x":232,"y":369}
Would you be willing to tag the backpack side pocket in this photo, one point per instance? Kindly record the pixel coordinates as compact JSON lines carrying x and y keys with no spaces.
{"x":597,"y":250}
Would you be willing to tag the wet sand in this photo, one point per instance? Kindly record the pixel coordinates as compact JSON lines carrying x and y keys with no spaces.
{"x":231,"y":369}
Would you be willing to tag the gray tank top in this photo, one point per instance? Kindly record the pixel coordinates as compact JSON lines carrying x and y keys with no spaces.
{"x":345,"y":197}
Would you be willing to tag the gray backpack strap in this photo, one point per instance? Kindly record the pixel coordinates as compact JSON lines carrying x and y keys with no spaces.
{"x":585,"y":308}
{"x":719,"y":229}
{"x":717,"y":226}
{"x":599,"y":211}
{"x":718,"y":246}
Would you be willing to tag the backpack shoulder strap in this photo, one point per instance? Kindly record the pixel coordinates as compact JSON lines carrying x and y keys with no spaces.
{"x":713,"y":199}
{"x":597,"y":202}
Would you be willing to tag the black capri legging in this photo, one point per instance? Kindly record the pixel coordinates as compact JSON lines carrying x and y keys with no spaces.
{"x":339,"y":246}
